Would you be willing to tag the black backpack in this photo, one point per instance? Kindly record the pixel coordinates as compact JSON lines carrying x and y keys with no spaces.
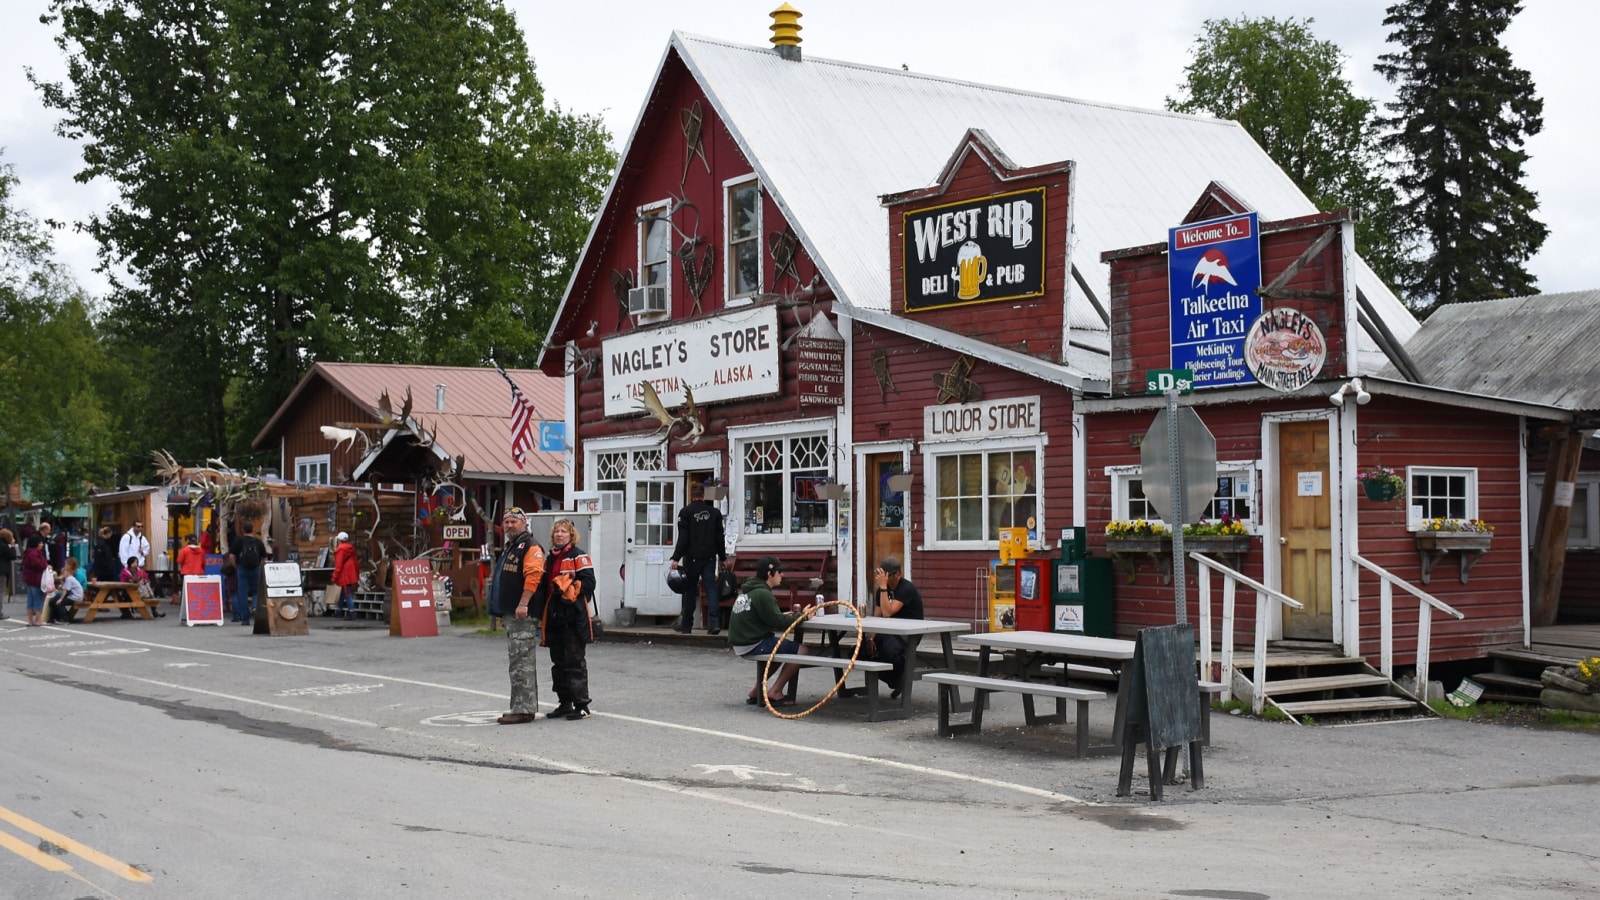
{"x":250,"y":555}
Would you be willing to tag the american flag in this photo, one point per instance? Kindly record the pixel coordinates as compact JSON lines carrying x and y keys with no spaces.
{"x":522,"y":416}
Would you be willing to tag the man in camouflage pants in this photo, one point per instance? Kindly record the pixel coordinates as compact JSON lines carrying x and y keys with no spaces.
{"x":516,"y":576}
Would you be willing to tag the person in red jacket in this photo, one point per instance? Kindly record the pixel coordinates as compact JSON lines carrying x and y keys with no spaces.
{"x":345,"y":574}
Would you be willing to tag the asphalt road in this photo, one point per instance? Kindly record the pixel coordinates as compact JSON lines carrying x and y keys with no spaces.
{"x":148,"y":759}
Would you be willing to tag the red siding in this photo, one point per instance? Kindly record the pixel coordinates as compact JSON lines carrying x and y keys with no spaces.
{"x":1033,"y":326}
{"x":948,"y":578}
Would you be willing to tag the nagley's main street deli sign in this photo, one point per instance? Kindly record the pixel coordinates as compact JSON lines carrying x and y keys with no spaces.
{"x":729,"y":357}
{"x":1213,"y":275}
{"x":974,"y":251}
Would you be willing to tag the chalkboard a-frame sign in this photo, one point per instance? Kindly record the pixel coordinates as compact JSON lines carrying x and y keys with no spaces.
{"x":1163,"y":706}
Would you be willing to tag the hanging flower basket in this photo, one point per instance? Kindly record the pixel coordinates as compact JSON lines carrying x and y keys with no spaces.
{"x":1381,"y":483}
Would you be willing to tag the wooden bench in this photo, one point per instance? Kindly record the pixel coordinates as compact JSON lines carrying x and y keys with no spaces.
{"x":982,"y":687}
{"x":804,"y":571}
{"x":868,"y":667}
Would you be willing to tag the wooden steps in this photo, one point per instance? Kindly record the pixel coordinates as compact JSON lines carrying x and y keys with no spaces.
{"x":1303,"y":682}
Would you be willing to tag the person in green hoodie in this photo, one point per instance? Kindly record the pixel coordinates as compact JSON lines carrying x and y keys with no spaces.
{"x":752,"y":630}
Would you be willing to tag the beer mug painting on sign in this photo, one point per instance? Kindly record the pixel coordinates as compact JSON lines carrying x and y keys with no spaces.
{"x":972,"y":267}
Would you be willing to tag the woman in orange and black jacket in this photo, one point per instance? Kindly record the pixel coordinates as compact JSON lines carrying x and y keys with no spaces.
{"x":563,"y":597}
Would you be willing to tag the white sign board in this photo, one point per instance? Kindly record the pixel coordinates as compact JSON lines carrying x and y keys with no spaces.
{"x":1308,"y":484}
{"x":728,"y":357}
{"x":1011,"y":417}
{"x":458,"y":532}
{"x":281,"y":579}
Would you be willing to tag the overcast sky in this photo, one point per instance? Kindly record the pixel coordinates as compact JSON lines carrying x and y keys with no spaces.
{"x":598,"y":57}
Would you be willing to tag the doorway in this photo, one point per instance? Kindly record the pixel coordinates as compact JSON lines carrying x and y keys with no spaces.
{"x":653,"y":501}
{"x":1305,"y":529}
{"x":886,"y":512}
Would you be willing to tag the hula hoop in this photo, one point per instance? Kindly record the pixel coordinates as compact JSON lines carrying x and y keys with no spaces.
{"x":766,"y":671}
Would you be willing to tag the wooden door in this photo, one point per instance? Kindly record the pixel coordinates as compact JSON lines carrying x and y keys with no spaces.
{"x":1305,"y":517}
{"x":885,"y":513}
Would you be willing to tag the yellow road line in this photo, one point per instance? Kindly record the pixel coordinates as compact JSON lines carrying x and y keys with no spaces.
{"x":42,"y":860}
{"x":114,"y":866}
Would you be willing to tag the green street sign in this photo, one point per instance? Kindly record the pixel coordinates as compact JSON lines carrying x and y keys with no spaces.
{"x":1159,"y":381}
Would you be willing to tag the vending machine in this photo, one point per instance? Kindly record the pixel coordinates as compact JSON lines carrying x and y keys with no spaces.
{"x":1080,"y":588}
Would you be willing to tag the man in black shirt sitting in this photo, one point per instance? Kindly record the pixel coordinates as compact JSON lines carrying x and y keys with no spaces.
{"x":897,"y":598}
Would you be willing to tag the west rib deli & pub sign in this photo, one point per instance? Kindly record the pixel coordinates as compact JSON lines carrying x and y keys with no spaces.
{"x":974,"y":251}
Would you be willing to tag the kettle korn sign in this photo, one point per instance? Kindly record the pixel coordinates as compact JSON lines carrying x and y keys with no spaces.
{"x":974,"y":251}
{"x":1213,"y":274}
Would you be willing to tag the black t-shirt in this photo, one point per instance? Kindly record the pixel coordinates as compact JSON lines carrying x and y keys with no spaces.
{"x":910,"y":600}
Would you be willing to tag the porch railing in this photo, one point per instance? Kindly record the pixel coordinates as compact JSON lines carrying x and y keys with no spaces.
{"x":1268,"y":601}
{"x":1387,"y":581}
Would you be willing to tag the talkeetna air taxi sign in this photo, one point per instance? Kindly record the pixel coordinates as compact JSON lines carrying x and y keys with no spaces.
{"x":1213,"y":275}
{"x":974,"y":251}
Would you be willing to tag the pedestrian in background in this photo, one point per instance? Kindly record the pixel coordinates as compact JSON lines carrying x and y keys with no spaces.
{"x":34,"y":565}
{"x":8,"y":555}
{"x":248,"y":554}
{"x":345,"y":574}
{"x":511,"y":588}
{"x":702,"y":546}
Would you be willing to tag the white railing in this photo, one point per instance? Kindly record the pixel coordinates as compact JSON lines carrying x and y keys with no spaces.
{"x":1265,"y":597}
{"x":1387,"y":580}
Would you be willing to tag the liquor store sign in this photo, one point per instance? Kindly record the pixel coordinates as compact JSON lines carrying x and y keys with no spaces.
{"x":726,"y":357}
{"x":974,"y":251}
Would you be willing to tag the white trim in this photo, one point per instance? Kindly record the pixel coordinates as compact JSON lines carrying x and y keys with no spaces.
{"x":728,"y":185}
{"x":860,"y":512}
{"x":1527,"y":586}
{"x":1471,"y":497}
{"x":663,"y":205}
{"x":1080,"y":465}
{"x":933,"y":450}
{"x":740,"y":434}
{"x":1120,"y":475}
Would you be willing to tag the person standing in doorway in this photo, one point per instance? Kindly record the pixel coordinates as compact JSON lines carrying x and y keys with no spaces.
{"x":563,"y":599}
{"x":345,"y":574}
{"x":248,"y":554}
{"x":512,"y":585}
{"x":701,"y":547}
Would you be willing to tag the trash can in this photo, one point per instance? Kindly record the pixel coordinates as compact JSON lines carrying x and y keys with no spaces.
{"x":1081,"y":589}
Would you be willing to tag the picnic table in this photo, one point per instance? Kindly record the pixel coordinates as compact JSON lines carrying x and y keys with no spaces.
{"x":913,"y":630}
{"x":103,"y":595}
{"x":1030,"y":649}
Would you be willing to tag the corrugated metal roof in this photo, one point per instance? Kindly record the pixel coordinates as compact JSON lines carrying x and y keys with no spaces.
{"x":1538,"y":349}
{"x":829,"y":138}
{"x":476,"y":419}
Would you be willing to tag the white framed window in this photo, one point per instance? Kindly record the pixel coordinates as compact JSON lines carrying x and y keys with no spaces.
{"x":1583,"y":527}
{"x":776,"y":473}
{"x":1235,"y":496}
{"x":742,"y":226}
{"x":609,"y":467}
{"x":1442,"y":493}
{"x":980,"y":487}
{"x":655,"y":251}
{"x":313,"y":469}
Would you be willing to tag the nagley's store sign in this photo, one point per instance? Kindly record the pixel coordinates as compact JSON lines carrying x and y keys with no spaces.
{"x":974,"y":251}
{"x":1011,"y":417}
{"x":728,"y":357}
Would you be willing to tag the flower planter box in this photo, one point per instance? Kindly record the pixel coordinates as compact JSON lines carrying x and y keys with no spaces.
{"x":1126,"y":551}
{"x":1434,"y":546}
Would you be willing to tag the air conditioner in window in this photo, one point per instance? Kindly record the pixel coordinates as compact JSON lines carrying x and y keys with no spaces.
{"x":652,"y":298}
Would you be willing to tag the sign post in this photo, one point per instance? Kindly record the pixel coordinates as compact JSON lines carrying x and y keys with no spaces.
{"x":1179,"y":465}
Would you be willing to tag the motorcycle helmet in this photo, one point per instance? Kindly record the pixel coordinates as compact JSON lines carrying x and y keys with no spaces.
{"x":677,"y":582}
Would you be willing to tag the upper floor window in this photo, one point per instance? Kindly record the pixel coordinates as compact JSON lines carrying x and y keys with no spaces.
{"x":312,"y":469}
{"x":1443,"y":493}
{"x":743,"y":228}
{"x":655,"y":257}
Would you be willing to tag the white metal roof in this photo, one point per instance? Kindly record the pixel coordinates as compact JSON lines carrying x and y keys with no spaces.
{"x":829,"y":138}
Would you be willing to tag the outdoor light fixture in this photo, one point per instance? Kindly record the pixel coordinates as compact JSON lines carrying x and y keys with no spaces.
{"x":1351,"y":387}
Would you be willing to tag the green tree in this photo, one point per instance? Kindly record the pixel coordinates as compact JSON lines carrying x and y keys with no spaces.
{"x":1287,"y":89}
{"x":303,"y":181}
{"x":1461,"y":114}
{"x":56,"y":434}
